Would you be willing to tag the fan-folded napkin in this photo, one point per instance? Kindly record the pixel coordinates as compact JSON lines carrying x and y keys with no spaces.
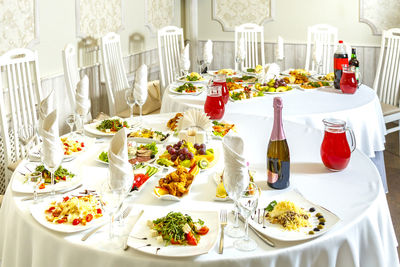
{"x":207,"y":52}
{"x":280,"y":54}
{"x":140,"y":89}
{"x":52,"y":146}
{"x":82,"y":96}
{"x":241,"y":50}
{"x":120,"y":168}
{"x":185,"y":59}
{"x":46,"y":106}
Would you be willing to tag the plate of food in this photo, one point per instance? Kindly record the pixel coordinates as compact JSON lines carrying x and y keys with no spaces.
{"x":314,"y":85}
{"x":245,"y":79}
{"x":257,"y":70}
{"x":177,"y":184}
{"x":64,"y":178}
{"x":227,"y":72}
{"x":142,"y":172}
{"x":193,"y":77}
{"x":295,"y":72}
{"x":148,"y":135}
{"x":221,"y":128}
{"x":273,"y":86}
{"x":291,"y":217}
{"x":175,"y":233}
{"x":188,"y":155}
{"x":106,"y":127}
{"x":231,"y":85}
{"x":244,"y":94}
{"x":187,"y":89}
{"x":330,"y":77}
{"x":69,"y":214}
{"x":173,"y":122}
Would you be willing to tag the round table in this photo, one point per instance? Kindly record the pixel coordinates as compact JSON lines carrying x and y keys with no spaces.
{"x":363,"y":237}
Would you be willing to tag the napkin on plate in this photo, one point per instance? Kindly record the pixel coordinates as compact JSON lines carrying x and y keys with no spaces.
{"x":280,"y":54}
{"x":140,"y":89}
{"x":185,"y":59}
{"x":52,"y":146}
{"x":121,"y":173}
{"x":236,"y":177}
{"x":82,"y":96}
{"x":207,"y":52}
{"x":46,"y":106}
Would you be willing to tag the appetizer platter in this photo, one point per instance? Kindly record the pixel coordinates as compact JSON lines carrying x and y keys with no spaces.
{"x":69,"y":214}
{"x":295,"y":79}
{"x":231,"y":85}
{"x":227,"y":72}
{"x":220,"y":129}
{"x":193,"y":77}
{"x":273,"y":86}
{"x":244,"y":94}
{"x":295,"y":72}
{"x":64,"y":178}
{"x":257,"y":70}
{"x":173,"y":122}
{"x":142,"y":172}
{"x":148,"y":135}
{"x":175,"y":233}
{"x":330,"y":77}
{"x":218,"y":178}
{"x":245,"y":79}
{"x":291,"y":217}
{"x":107,"y":127}
{"x":313,"y":85}
{"x":187,"y":89}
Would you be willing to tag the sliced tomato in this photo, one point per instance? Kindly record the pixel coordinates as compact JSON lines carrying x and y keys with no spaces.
{"x":65,"y":199}
{"x":60,"y":221}
{"x":191,"y":239}
{"x":76,"y":221}
{"x":173,"y":242}
{"x":89,"y":217}
{"x":42,"y":186}
{"x":82,"y":144}
{"x":99,"y":211}
{"x":50,"y":209}
{"x":203,"y":230}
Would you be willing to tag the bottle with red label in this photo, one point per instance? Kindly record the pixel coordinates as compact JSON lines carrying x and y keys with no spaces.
{"x":340,"y":58}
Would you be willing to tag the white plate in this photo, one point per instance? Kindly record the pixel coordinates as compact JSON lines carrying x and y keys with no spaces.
{"x":141,"y":230}
{"x":276,"y":93}
{"x":149,"y":140}
{"x":37,"y":212}
{"x":91,"y":128}
{"x":183,"y":80}
{"x":19,"y":184}
{"x":144,"y":170}
{"x":214,"y":73}
{"x":276,"y":231}
{"x":286,"y":72}
{"x":172,"y":89}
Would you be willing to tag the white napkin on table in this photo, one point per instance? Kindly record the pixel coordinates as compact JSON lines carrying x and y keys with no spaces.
{"x":52,"y":146}
{"x":82,"y":96}
{"x":121,"y":173}
{"x":280,"y":54}
{"x":272,"y":70}
{"x":46,"y":106}
{"x":140,"y":89}
{"x":241,"y":50}
{"x":317,"y":53}
{"x":207,"y":52}
{"x":236,"y":176}
{"x":185,"y":58}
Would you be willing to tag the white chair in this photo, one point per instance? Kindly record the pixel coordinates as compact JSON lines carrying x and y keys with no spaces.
{"x":387,"y":78}
{"x":252,"y":34}
{"x":20,"y":93}
{"x":326,"y":36}
{"x":71,"y":74}
{"x":170,"y":44}
{"x":114,"y":73}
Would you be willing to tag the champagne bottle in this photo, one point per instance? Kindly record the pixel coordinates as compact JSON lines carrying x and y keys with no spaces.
{"x":278,"y":157}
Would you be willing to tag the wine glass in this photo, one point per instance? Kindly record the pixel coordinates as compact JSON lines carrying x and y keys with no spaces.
{"x":239,"y":60}
{"x":248,"y":202}
{"x":71,"y":120}
{"x":26,"y":134}
{"x":35,"y":179}
{"x":130,"y":100}
{"x":52,"y":162}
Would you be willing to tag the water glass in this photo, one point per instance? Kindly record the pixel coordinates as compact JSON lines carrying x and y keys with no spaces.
{"x":35,"y":179}
{"x":248,"y":202}
{"x":26,"y":134}
{"x":52,"y":163}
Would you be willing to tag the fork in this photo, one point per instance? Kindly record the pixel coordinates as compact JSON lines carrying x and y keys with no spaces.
{"x":223,"y":216}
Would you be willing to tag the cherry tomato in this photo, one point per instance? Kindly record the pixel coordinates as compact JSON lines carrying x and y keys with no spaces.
{"x":65,"y":199}
{"x":79,"y":149}
{"x":64,"y":178}
{"x":82,"y":144}
{"x":76,"y":221}
{"x":173,"y":242}
{"x":191,"y":239}
{"x":203,"y":230}
{"x":42,"y":186}
{"x":51,"y":209}
{"x":99,"y":211}
{"x":61,"y":221}
{"x":89,"y":217}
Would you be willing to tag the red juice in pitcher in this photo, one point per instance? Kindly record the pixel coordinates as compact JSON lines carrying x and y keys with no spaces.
{"x":214,"y":105}
{"x":220,"y":80}
{"x":348,"y":82}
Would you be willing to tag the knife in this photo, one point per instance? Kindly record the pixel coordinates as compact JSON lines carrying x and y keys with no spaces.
{"x":43,"y":195}
{"x":260,"y":235}
{"x":125,"y":246}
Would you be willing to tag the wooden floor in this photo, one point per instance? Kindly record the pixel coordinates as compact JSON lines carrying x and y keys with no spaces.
{"x":392,"y":162}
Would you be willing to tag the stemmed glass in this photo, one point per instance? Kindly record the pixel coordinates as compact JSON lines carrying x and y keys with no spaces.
{"x":35,"y":179}
{"x":130,"y":100}
{"x":248,"y":202}
{"x":239,"y":60}
{"x":52,"y":164}
{"x":26,"y":134}
{"x":71,"y":120}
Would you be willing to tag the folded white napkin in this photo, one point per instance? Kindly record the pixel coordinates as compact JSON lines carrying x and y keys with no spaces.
{"x":52,"y":146}
{"x":236,"y":177}
{"x":241,"y":50}
{"x":121,"y":173}
{"x":207,"y":52}
{"x":194,"y":118}
{"x":140,"y":88}
{"x":317,"y":53}
{"x":280,"y":54}
{"x":272,"y":70}
{"x":185,"y":58}
{"x":46,"y":106}
{"x":82,"y":96}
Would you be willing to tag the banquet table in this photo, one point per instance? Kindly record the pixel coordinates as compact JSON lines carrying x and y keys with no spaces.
{"x":364,"y":236}
{"x":361,"y":111}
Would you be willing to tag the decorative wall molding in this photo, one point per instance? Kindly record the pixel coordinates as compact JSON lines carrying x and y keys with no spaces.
{"x":380,"y":14}
{"x":158,"y":14}
{"x":95,"y":18}
{"x":19,"y":24}
{"x":231,"y":13}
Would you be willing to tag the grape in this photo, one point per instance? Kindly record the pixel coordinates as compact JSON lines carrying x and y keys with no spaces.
{"x":182,"y":156}
{"x":190,"y":155}
{"x":185,"y":150}
{"x":174,"y":157}
{"x":176,"y":147}
{"x":172,"y":151}
{"x":203,"y":146}
{"x":202,"y":151}
{"x":196,"y":146}
{"x":179,"y":143}
{"x":276,"y":86}
{"x":168,"y":147}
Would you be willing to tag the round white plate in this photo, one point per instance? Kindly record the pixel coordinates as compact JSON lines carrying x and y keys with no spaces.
{"x":286,"y":72}
{"x":200,"y":89}
{"x":91,"y":128}
{"x":214,"y":73}
{"x":39,"y":215}
{"x":149,"y":140}
{"x":151,"y":246}
{"x":183,"y":80}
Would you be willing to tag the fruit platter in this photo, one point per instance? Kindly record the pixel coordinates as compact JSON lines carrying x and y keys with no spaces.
{"x":187,"y":89}
{"x":148,"y":135}
{"x":193,"y":77}
{"x":273,"y":86}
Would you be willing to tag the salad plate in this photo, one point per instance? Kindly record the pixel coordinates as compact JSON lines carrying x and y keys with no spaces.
{"x":276,"y":231}
{"x":92,"y":128}
{"x":197,"y":90}
{"x":151,"y":246}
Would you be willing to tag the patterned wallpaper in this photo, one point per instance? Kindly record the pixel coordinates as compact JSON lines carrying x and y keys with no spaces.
{"x":231,"y":13}
{"x":18,"y":24}
{"x":95,"y":18}
{"x":380,"y":14}
{"x":159,"y":13}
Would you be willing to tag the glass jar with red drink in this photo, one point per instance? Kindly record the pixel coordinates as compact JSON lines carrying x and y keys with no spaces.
{"x":335,"y":149}
{"x":220,"y":80}
{"x":348,"y":82}
{"x":214,"y":106}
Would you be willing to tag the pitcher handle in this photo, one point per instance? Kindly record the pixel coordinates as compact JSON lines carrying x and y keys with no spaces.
{"x":353,"y":139}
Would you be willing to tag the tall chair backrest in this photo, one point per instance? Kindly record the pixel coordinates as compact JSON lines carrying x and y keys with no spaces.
{"x":252,"y":34}
{"x":326,"y":36}
{"x":387,"y":78}
{"x":114,"y":72}
{"x":20,"y":94}
{"x":170,"y":44}
{"x":71,"y":74}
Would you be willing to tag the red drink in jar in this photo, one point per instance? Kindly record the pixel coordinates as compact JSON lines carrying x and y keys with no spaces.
{"x":348,"y":82}
{"x":214,"y":105}
{"x":220,"y":80}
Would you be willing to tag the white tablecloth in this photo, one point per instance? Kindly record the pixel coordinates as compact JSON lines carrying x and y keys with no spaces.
{"x":364,"y":236}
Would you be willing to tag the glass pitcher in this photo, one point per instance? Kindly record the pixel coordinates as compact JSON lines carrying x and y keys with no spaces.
{"x":335,"y":149}
{"x":214,"y":106}
{"x":348,"y":82}
{"x":220,"y":80}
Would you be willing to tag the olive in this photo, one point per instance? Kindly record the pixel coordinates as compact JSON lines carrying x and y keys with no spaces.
{"x":312,"y":209}
{"x":311,"y":232}
{"x":320,"y":226}
{"x":318,"y":214}
{"x":321,"y":223}
{"x":322,"y":220}
{"x":320,"y":217}
{"x":316,"y":229}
